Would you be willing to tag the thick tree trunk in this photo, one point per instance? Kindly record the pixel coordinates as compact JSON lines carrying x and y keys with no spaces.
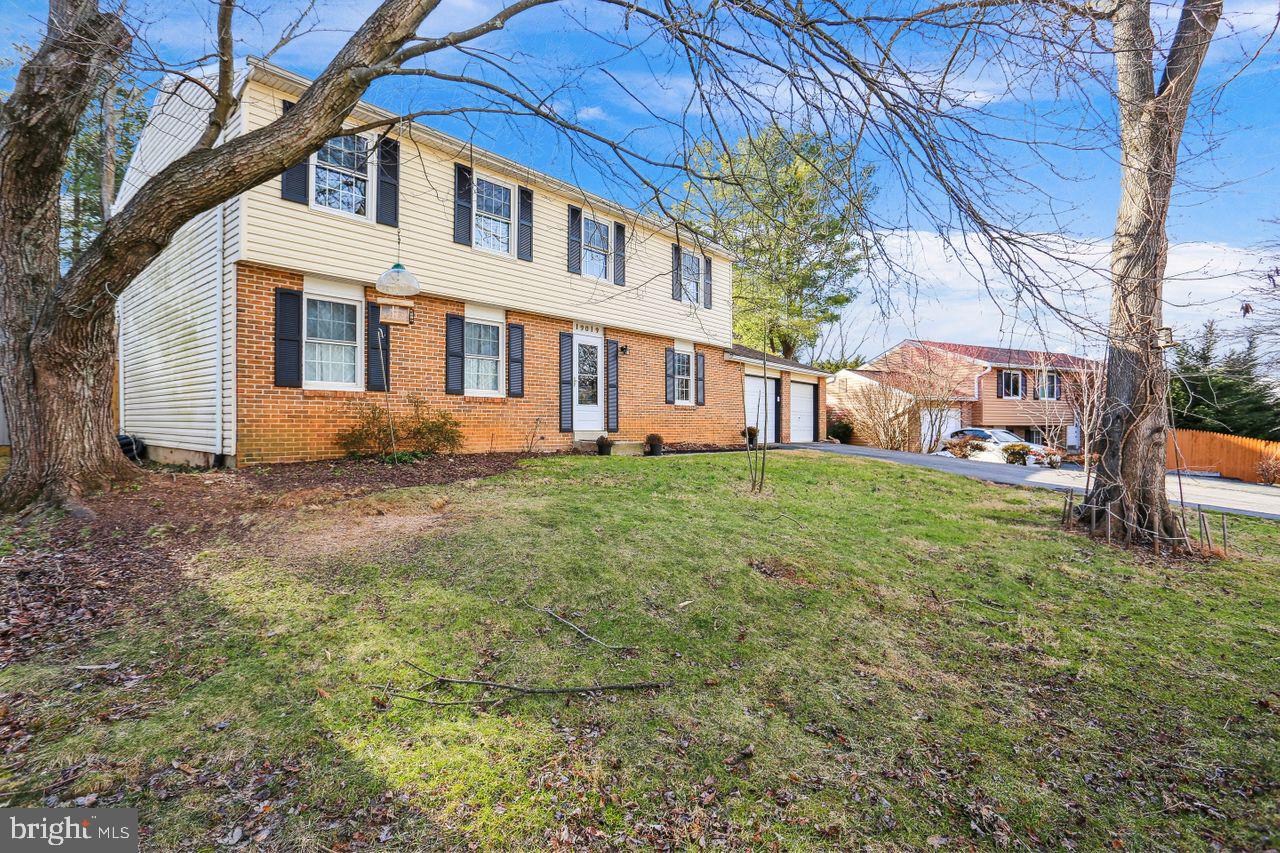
{"x":1130,"y":481}
{"x":58,"y":346}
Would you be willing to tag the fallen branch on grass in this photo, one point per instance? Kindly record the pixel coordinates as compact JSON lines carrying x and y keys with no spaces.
{"x":556,"y":616}
{"x":514,"y":691}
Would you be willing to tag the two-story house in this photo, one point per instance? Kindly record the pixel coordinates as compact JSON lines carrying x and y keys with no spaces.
{"x":546,"y":314}
{"x":1034,"y":394}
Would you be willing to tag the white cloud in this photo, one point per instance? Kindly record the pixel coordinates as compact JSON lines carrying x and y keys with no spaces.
{"x":962,"y":297}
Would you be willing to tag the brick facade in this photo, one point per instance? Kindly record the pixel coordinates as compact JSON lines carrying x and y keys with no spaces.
{"x":290,"y":424}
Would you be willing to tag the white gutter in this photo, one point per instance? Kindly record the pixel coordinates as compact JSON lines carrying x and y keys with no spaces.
{"x":806,"y":371}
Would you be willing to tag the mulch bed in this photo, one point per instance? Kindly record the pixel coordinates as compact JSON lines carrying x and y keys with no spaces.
{"x":66,"y":578}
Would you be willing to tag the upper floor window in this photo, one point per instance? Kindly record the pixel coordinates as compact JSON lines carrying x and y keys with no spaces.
{"x":481,"y":367}
{"x":595,"y":248}
{"x":1050,"y":386}
{"x":1010,"y":384}
{"x":331,"y":348}
{"x":691,"y":277}
{"x":342,"y":175}
{"x":493,"y":216}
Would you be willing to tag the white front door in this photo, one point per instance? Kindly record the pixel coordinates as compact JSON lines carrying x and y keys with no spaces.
{"x":588,"y":383}
{"x":759,"y":397}
{"x":802,"y":413}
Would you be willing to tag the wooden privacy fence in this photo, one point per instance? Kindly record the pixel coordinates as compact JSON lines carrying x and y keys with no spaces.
{"x":1229,"y":455}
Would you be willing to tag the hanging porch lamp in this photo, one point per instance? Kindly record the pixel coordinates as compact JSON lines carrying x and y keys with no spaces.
{"x":398,"y":281}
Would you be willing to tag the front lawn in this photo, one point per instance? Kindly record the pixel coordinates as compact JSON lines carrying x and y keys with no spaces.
{"x":869,"y":654}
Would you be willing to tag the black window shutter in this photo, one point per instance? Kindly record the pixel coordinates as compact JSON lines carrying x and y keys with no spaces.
{"x":999,"y":383}
{"x":462,"y":204}
{"x":816,"y":400}
{"x":671,"y":375}
{"x":676,"y":292}
{"x":524,"y":232}
{"x":377,"y":350}
{"x":294,"y":180}
{"x":575,"y":240}
{"x":706,"y":282}
{"x":1035,"y":386}
{"x":388,"y":211}
{"x":611,"y":385}
{"x":288,"y":338}
{"x":515,"y":360}
{"x":700,"y":386}
{"x":454,"y":326}
{"x":566,"y":382}
{"x":619,"y":254}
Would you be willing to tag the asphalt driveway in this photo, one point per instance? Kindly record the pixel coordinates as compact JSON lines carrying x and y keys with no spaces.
{"x":1210,"y":492}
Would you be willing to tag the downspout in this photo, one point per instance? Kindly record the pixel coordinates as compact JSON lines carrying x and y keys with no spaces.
{"x":977,"y":387}
{"x":219,"y":242}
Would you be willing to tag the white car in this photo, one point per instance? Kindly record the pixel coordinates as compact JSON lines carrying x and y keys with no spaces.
{"x":998,"y":438}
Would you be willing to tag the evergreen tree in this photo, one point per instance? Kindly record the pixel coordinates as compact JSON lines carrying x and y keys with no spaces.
{"x":116,"y":115}
{"x":1225,"y":393}
{"x":788,"y":205}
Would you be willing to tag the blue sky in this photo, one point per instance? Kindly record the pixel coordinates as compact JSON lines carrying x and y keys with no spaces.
{"x":1223,"y":215}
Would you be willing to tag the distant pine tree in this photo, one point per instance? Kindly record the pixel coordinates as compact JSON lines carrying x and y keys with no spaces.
{"x":1223,"y":394}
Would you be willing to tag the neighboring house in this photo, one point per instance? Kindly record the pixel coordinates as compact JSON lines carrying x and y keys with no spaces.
{"x":547,"y":314}
{"x":943,"y":387}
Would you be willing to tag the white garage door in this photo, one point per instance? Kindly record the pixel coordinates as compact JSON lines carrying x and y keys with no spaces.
{"x":936,"y":427}
{"x":760,"y":404}
{"x":802,"y":412}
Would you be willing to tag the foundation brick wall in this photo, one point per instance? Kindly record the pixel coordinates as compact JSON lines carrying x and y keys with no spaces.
{"x":292,"y":424}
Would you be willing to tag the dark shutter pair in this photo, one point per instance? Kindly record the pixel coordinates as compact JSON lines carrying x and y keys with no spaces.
{"x":699,"y":377}
{"x":295,"y":181}
{"x":464,"y":208}
{"x":455,"y":356}
{"x":288,"y":343}
{"x":999,"y":383}
{"x":575,"y":247}
{"x":677,"y":278}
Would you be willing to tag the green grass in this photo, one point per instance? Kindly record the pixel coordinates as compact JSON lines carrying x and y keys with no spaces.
{"x":946,"y":663}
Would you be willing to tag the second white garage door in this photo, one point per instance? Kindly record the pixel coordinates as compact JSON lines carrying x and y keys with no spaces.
{"x":804,"y":405}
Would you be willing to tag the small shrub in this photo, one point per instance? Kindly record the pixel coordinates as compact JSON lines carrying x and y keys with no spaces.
{"x":1269,"y":470}
{"x":750,"y":434}
{"x":370,"y":435}
{"x":604,"y":445}
{"x":1017,"y":453}
{"x":429,"y":432}
{"x":401,"y":438}
{"x":963,"y":447}
{"x":653,"y":444}
{"x":839,"y":425}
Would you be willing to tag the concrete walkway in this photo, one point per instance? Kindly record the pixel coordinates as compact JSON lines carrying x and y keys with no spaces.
{"x":1211,"y":492}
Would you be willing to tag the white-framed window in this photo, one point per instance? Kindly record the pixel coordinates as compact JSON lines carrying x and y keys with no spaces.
{"x":492,"y":216}
{"x":1050,"y":385}
{"x":595,"y":247}
{"x":482,"y":346}
{"x":684,"y":373}
{"x":1011,"y":384}
{"x":691,"y":277}
{"x":332,"y":342}
{"x":341,"y":179}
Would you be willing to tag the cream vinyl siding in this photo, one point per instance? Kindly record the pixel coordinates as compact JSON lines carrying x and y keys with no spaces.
{"x":295,"y":236}
{"x":175,"y":336}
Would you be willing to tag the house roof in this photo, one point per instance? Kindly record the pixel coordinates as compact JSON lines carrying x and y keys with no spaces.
{"x":1007,"y":357}
{"x":747,"y":354}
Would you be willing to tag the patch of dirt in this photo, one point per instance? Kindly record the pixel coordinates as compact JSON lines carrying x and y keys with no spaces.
{"x":778,"y":569}
{"x":66,"y":577}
